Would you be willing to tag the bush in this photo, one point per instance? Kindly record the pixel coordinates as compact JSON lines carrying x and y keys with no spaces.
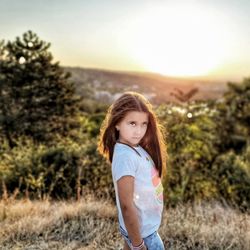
{"x":59,"y":171}
{"x":192,"y":147}
{"x":232,"y":175}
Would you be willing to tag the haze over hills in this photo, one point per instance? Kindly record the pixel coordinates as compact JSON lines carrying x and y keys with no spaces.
{"x":107,"y":85}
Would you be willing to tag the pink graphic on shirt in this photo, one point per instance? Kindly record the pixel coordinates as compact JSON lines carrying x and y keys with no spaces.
{"x":156,"y":180}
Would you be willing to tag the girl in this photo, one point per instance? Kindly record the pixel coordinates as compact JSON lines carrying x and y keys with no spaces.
{"x":132,"y":140}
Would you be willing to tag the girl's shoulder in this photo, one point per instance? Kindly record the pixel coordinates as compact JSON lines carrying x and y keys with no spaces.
{"x":126,"y":150}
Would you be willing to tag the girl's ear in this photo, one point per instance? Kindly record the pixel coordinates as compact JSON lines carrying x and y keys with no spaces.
{"x":117,"y":127}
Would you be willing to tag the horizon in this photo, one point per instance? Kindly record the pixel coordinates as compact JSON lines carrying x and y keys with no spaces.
{"x":206,"y":79}
{"x":206,"y":40}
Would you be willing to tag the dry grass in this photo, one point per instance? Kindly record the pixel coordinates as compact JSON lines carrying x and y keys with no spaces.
{"x":89,"y":224}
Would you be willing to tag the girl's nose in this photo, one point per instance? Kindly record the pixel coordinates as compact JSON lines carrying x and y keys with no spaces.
{"x":138,"y":130}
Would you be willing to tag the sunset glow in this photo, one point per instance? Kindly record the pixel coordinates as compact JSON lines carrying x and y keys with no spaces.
{"x":179,"y":40}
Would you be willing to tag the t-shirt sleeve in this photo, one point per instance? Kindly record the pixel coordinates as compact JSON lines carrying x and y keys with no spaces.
{"x":124,"y":165}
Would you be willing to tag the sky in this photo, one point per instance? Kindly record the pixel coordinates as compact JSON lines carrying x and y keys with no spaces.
{"x":207,"y":39}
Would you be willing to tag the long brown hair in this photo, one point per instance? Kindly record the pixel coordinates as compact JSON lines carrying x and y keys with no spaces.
{"x":153,"y":140}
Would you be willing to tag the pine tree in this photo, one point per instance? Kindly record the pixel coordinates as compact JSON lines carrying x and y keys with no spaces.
{"x":37,"y":98}
{"x":5,"y":101}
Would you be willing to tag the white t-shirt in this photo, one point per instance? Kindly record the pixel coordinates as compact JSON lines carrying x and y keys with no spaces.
{"x":148,"y":190}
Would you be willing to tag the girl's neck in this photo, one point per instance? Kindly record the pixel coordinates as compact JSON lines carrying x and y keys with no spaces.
{"x":133,"y":147}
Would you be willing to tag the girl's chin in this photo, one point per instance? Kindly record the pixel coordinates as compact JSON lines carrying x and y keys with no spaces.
{"x":133,"y":143}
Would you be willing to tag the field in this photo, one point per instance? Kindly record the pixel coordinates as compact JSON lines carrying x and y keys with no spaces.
{"x":90,"y":224}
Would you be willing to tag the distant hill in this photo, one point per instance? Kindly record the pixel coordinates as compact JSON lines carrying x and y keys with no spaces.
{"x":107,"y":85}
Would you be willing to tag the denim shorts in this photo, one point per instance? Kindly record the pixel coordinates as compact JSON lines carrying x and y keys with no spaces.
{"x":153,"y":241}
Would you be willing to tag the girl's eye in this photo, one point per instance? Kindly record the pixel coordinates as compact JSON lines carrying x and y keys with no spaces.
{"x":132,"y":123}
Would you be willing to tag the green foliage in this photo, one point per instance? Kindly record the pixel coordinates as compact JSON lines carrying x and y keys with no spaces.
{"x":208,"y":146}
{"x":232,"y":175}
{"x":94,"y":121}
{"x":20,"y":167}
{"x":96,"y":172}
{"x":237,"y":99}
{"x":48,"y":136}
{"x":39,"y":170}
{"x":57,"y":171}
{"x":233,"y":117}
{"x":192,"y":147}
{"x":35,"y":92}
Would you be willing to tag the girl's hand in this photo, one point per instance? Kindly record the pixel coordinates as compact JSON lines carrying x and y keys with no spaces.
{"x":142,"y":246}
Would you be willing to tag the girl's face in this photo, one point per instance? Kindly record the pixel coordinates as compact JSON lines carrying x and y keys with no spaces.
{"x":132,"y":127}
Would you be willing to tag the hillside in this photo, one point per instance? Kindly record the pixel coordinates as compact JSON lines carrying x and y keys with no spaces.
{"x":106,"y":85}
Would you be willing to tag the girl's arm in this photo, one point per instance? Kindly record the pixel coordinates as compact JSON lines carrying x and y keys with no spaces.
{"x":125,"y":187}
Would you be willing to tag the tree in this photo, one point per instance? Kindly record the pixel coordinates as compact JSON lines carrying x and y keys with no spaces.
{"x":238,"y":99}
{"x":37,"y":98}
{"x":184,"y":97}
{"x":233,"y":117}
{"x":192,"y":147}
{"x":5,"y":122}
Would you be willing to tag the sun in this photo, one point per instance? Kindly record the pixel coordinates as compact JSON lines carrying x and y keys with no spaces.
{"x":178,"y":40}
